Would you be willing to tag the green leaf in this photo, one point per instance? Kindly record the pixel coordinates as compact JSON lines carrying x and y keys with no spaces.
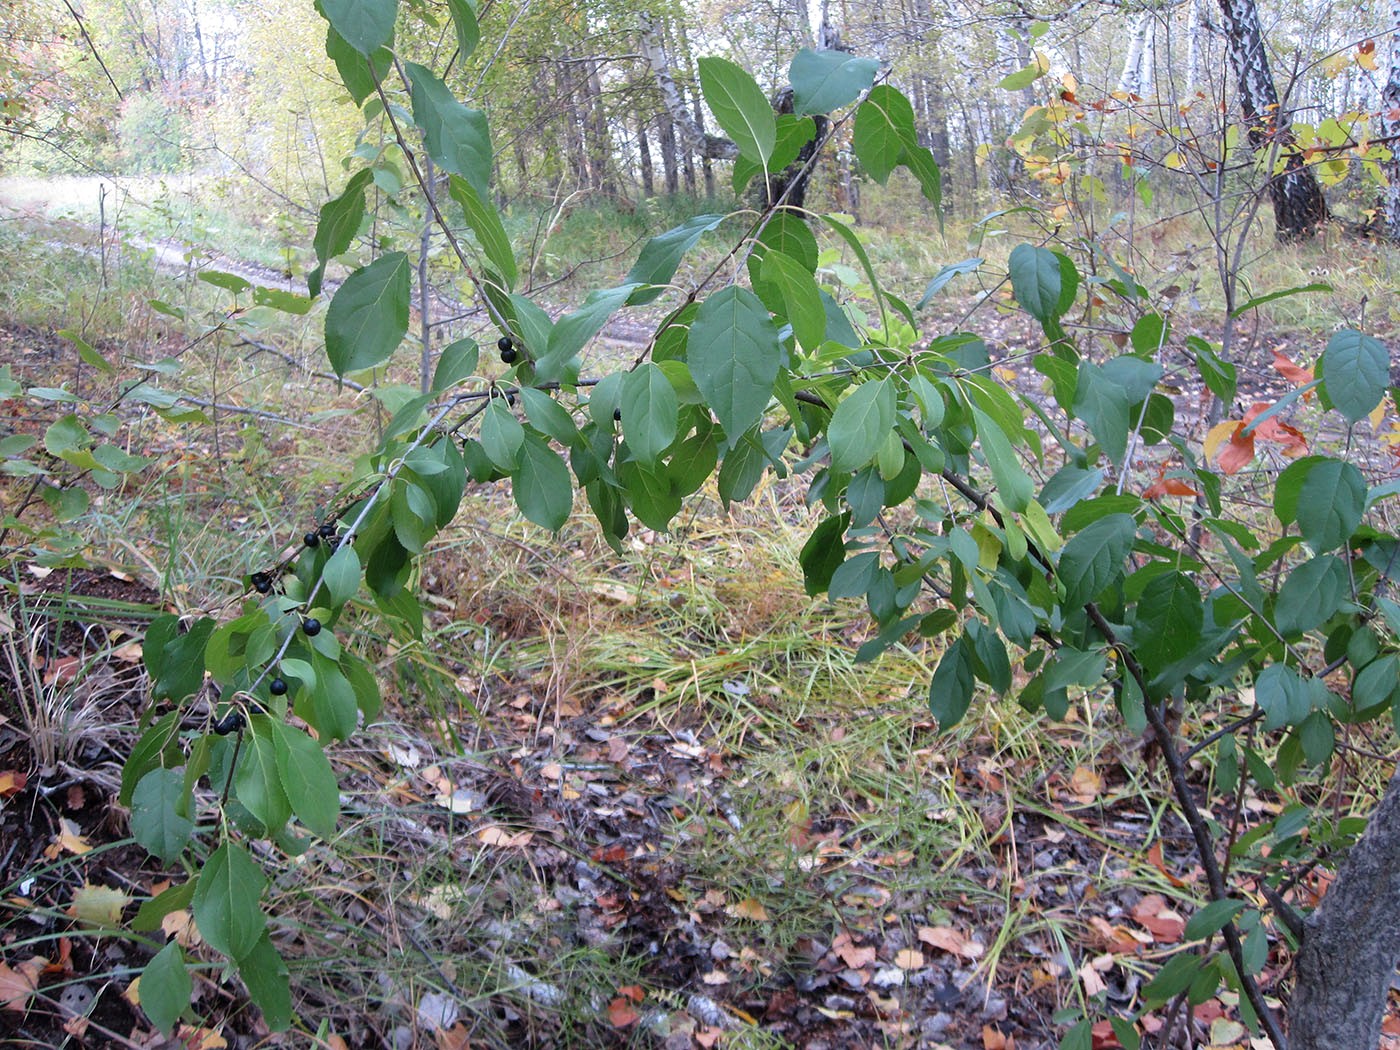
{"x":543,"y":487}
{"x":548,"y":416}
{"x":181,"y":671}
{"x":66,"y":434}
{"x":366,"y":25}
{"x":176,"y":898}
{"x":1356,"y":371}
{"x":485,"y":222}
{"x":788,"y":232}
{"x":1168,"y":622}
{"x":457,"y":137}
{"x":256,"y":780}
{"x":823,"y":554}
{"x":950,"y":692}
{"x":793,"y":133}
{"x":358,"y":75}
{"x":1022,"y":78}
{"x":1219,"y":376}
{"x":801,"y":298}
{"x":1211,"y":918}
{"x":1044,"y":282}
{"x":1318,"y":737}
{"x":662,"y":255}
{"x":650,"y":411}
{"x":884,"y":124}
{"x":226,"y":901}
{"x":502,"y":435}
{"x":265,"y":974}
{"x":860,"y":424}
{"x":572,"y":332}
{"x":166,"y":988}
{"x":1310,"y":595}
{"x":1285,"y":697}
{"x":307,"y":779}
{"x":341,"y":576}
{"x":734,"y":356}
{"x":1013,"y":483}
{"x":457,"y":361}
{"x":1093,"y":559}
{"x":464,"y":22}
{"x":158,"y":808}
{"x":1331,"y":502}
{"x":368,"y":316}
{"x":1260,"y":300}
{"x":87,"y":352}
{"x":1173,"y":978}
{"x":823,"y":81}
{"x":946,"y":274}
{"x":740,"y":107}
{"x":229,"y":282}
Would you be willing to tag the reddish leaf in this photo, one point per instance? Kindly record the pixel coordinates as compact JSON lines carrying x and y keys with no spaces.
{"x":1168,"y":487}
{"x":1239,"y":452}
{"x":621,"y":1013}
{"x":1294,"y":374}
{"x":12,"y":782}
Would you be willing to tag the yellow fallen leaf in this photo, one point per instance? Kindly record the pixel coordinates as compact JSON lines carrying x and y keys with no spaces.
{"x":98,"y":905}
{"x":1085,"y":784}
{"x":69,"y":838}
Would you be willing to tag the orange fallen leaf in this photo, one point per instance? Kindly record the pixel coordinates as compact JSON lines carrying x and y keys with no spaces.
{"x":621,"y":1013}
{"x":1085,"y":785}
{"x":951,"y":941}
{"x":12,"y":782}
{"x":18,"y":984}
{"x":1293,"y":373}
{"x":455,"y":1038}
{"x":1154,"y":857}
{"x":994,"y":1040}
{"x":909,"y":959}
{"x":1156,"y":916}
{"x":497,"y":836}
{"x":850,"y":953}
{"x":750,"y":908}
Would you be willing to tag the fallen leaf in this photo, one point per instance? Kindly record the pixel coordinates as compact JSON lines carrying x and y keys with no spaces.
{"x":1154,"y":857}
{"x":851,"y":954}
{"x":12,"y":782}
{"x":69,"y":838}
{"x":455,"y":1038}
{"x":1156,"y":916}
{"x":621,"y":1013}
{"x":994,"y":1040}
{"x":715,"y":977}
{"x":909,"y":959}
{"x":1085,"y":785}
{"x":18,"y":984}
{"x":497,"y":836}
{"x":1093,"y":981}
{"x":950,"y":940}
{"x":1103,"y":1037}
{"x":98,"y":905}
{"x":749,"y":908}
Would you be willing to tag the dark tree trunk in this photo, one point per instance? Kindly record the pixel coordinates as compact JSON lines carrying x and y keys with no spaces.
{"x":1299,"y":207}
{"x":668,"y":156}
{"x":1351,"y":943}
{"x":790,"y":184}
{"x":600,"y":147}
{"x":644,"y":152}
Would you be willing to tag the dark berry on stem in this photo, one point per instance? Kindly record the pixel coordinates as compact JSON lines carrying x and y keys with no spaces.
{"x":617,"y":415}
{"x":311,"y":626}
{"x":262,"y":583}
{"x":311,"y":539}
{"x":327,"y":530}
{"x":505,"y":343}
{"x":277,"y":687}
{"x":508,"y":356}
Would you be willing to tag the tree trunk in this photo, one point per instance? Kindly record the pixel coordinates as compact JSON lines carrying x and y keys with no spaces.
{"x":1351,"y":943}
{"x":644,"y":152}
{"x":1390,"y":127}
{"x":1299,"y":208}
{"x":1130,"y":80}
{"x":668,"y":156}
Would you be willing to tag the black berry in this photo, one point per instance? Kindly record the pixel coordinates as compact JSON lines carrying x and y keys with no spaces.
{"x":327,"y":530}
{"x":508,"y":356}
{"x":262,"y":582}
{"x":505,"y":343}
{"x":277,"y":687}
{"x":311,"y":539}
{"x":311,"y":626}
{"x":617,"y":415}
